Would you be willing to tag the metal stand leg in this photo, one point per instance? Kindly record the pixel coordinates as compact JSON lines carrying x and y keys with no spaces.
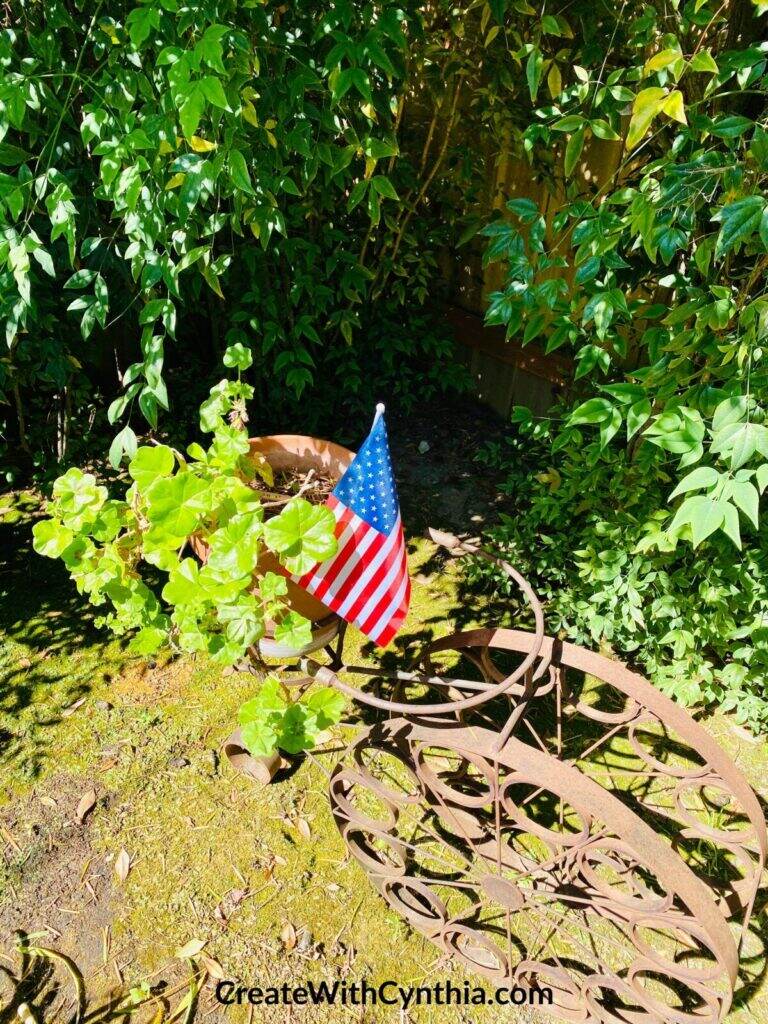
{"x":336,"y":654}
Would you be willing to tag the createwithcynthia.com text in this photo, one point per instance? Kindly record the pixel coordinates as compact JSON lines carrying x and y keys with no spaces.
{"x":386,"y":993}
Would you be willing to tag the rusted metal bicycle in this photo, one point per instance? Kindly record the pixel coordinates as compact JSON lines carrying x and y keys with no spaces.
{"x":553,"y":820}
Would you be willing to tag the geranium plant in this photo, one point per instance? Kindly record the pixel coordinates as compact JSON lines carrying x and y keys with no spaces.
{"x":274,"y":718}
{"x":137,"y":556}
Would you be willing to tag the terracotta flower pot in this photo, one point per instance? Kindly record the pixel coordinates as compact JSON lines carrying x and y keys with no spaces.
{"x":298,"y":453}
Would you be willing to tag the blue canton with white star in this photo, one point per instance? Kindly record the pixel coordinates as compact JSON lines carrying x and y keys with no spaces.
{"x":368,"y":486}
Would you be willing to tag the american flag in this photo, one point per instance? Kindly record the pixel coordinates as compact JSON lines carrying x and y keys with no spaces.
{"x":366,"y":582}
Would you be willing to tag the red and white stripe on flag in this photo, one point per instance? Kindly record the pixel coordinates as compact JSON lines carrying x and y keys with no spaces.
{"x":366,"y":582}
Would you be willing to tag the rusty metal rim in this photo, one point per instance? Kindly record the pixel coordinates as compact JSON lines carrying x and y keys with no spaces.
{"x":572,"y":786}
{"x":637,"y":688}
{"x":563,"y":985}
{"x":451,"y":707}
{"x":701,"y":915}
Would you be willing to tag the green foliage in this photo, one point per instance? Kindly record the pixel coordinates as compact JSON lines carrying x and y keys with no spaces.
{"x":273,"y":720}
{"x":244,"y":168}
{"x":590,"y":533}
{"x":302,"y":534}
{"x":118,"y":551}
{"x":653,"y":278}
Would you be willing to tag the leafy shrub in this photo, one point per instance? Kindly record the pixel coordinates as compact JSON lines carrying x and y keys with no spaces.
{"x":116,"y":548}
{"x":179,"y":178}
{"x":588,"y":532}
{"x":653,"y":279}
{"x":273,"y":719}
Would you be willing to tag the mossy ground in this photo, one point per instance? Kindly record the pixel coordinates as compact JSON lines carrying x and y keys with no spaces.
{"x":212,"y":855}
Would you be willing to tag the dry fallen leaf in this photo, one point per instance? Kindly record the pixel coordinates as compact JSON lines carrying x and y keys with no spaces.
{"x":86,"y":805}
{"x":443,"y":539}
{"x":47,"y":801}
{"x":123,"y":865}
{"x":288,"y":935}
{"x":72,"y":708}
{"x":213,"y":967}
{"x":190,"y":949}
{"x":24,"y":662}
{"x":303,"y":826}
{"x":228,"y":904}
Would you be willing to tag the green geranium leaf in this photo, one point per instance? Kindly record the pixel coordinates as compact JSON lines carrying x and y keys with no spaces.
{"x":78,"y":496}
{"x":297,"y":730}
{"x":268,"y":701}
{"x":215,"y":407}
{"x":51,"y":538}
{"x":163,"y":557}
{"x":238,"y":356}
{"x":294,"y":631}
{"x":178,"y":504}
{"x":109,"y":521}
{"x":150,"y":463}
{"x":244,"y":621}
{"x":192,"y":639}
{"x":273,"y":586}
{"x":234,"y":548}
{"x":302,"y":535}
{"x":229,"y":445}
{"x":222,"y":650}
{"x":259,"y":737}
{"x":148,"y":640}
{"x":183,"y":586}
{"x":327,"y":705}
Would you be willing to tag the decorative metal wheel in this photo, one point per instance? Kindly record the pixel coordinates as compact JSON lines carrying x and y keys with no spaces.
{"x":554,"y":822}
{"x":527,"y":872}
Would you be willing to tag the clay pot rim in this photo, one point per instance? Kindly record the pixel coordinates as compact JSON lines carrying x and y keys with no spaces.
{"x":258,"y":769}
{"x":299,"y":444}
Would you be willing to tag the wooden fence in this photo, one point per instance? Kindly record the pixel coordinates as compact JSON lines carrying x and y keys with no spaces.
{"x":504,"y":372}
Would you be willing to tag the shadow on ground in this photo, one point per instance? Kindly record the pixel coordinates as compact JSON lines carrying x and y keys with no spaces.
{"x":52,"y":656}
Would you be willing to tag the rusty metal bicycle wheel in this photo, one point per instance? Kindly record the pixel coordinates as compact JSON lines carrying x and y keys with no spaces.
{"x":611,"y":724}
{"x":554,"y":820}
{"x":527,"y":872}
